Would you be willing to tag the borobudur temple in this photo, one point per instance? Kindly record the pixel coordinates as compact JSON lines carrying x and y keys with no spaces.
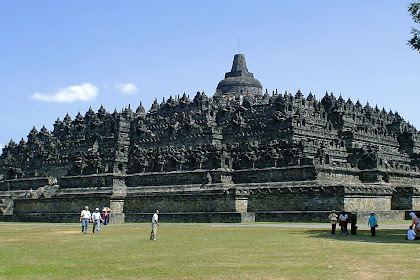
{"x":240,"y":155}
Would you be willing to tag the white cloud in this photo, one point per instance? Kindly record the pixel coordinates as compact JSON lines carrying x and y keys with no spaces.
{"x":126,"y":88}
{"x":83,"y":92}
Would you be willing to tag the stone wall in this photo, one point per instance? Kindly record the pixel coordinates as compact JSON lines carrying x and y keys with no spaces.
{"x":24,"y":184}
{"x":190,"y":217}
{"x":209,"y":201}
{"x":295,"y":198}
{"x":300,"y":173}
{"x":402,"y":198}
{"x":356,"y":203}
{"x":382,"y":217}
{"x":210,"y":196}
{"x":88,"y":181}
{"x":366,"y":197}
{"x":416,"y":202}
{"x":168,"y":178}
{"x":293,"y":216}
{"x":55,"y":209}
{"x":406,"y":197}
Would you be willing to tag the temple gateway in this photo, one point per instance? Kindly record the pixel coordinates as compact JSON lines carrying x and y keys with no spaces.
{"x":240,"y":155}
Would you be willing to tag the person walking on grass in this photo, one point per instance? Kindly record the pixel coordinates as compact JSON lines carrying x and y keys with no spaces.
{"x":97,"y":219}
{"x":85,"y":218}
{"x":333,"y":218}
{"x":155,"y":225}
{"x":372,"y":223}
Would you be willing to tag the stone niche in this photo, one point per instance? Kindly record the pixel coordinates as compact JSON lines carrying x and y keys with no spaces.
{"x":406,"y":197}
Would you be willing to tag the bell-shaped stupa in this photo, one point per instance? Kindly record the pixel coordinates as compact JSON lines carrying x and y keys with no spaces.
{"x":238,"y":81}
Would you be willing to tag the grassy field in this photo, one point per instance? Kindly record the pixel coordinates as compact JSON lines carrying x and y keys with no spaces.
{"x":202,"y":251}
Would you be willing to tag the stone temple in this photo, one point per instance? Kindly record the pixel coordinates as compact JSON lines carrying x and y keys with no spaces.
{"x":240,"y":155}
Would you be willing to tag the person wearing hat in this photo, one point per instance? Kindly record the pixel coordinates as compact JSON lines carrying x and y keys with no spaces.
{"x":97,"y":219}
{"x":333,"y":218}
{"x":372,"y":223}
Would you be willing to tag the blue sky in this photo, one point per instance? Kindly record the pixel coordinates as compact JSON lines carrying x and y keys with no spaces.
{"x":59,"y":57}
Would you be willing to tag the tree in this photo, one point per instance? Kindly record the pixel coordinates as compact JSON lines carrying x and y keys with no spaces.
{"x":414,"y":10}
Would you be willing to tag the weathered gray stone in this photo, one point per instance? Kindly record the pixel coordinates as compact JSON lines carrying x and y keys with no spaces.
{"x":239,"y":155}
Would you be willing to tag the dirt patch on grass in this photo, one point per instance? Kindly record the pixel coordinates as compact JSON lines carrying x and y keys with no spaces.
{"x":62,"y":232}
{"x":10,"y":240}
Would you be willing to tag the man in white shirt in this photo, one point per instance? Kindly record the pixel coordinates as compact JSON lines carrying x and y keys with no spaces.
{"x":97,"y":219}
{"x":155,"y":224}
{"x":85,"y":218}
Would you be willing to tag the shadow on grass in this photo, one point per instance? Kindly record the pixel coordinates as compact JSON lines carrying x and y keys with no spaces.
{"x":382,"y":236}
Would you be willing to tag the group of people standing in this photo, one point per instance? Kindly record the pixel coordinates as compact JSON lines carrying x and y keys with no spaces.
{"x":343,"y":219}
{"x":413,"y":232}
{"x":96,"y":218}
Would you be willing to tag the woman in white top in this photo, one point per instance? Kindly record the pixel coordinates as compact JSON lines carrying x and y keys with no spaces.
{"x":343,"y":222}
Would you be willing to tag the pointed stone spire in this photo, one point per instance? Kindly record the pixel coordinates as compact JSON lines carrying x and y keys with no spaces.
{"x":67,"y":118}
{"x":310,"y":96}
{"x":44,"y":130}
{"x":12,"y":144}
{"x":238,"y":65}
{"x":140,"y":110}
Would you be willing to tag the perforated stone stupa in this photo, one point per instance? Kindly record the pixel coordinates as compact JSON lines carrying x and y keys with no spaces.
{"x":239,"y":155}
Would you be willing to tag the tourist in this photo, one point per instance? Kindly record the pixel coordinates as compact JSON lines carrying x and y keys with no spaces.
{"x":343,"y":222}
{"x":372,"y":223}
{"x":85,"y":218}
{"x":414,"y":222}
{"x":97,"y":219}
{"x":411,"y":234}
{"x":155,"y":224}
{"x":333,"y":218}
{"x":105,"y":217}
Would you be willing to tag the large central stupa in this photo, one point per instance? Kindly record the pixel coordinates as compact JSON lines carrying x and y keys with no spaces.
{"x":238,"y":81}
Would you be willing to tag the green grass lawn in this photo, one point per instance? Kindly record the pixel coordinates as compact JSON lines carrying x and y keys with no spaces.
{"x":202,"y":251}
